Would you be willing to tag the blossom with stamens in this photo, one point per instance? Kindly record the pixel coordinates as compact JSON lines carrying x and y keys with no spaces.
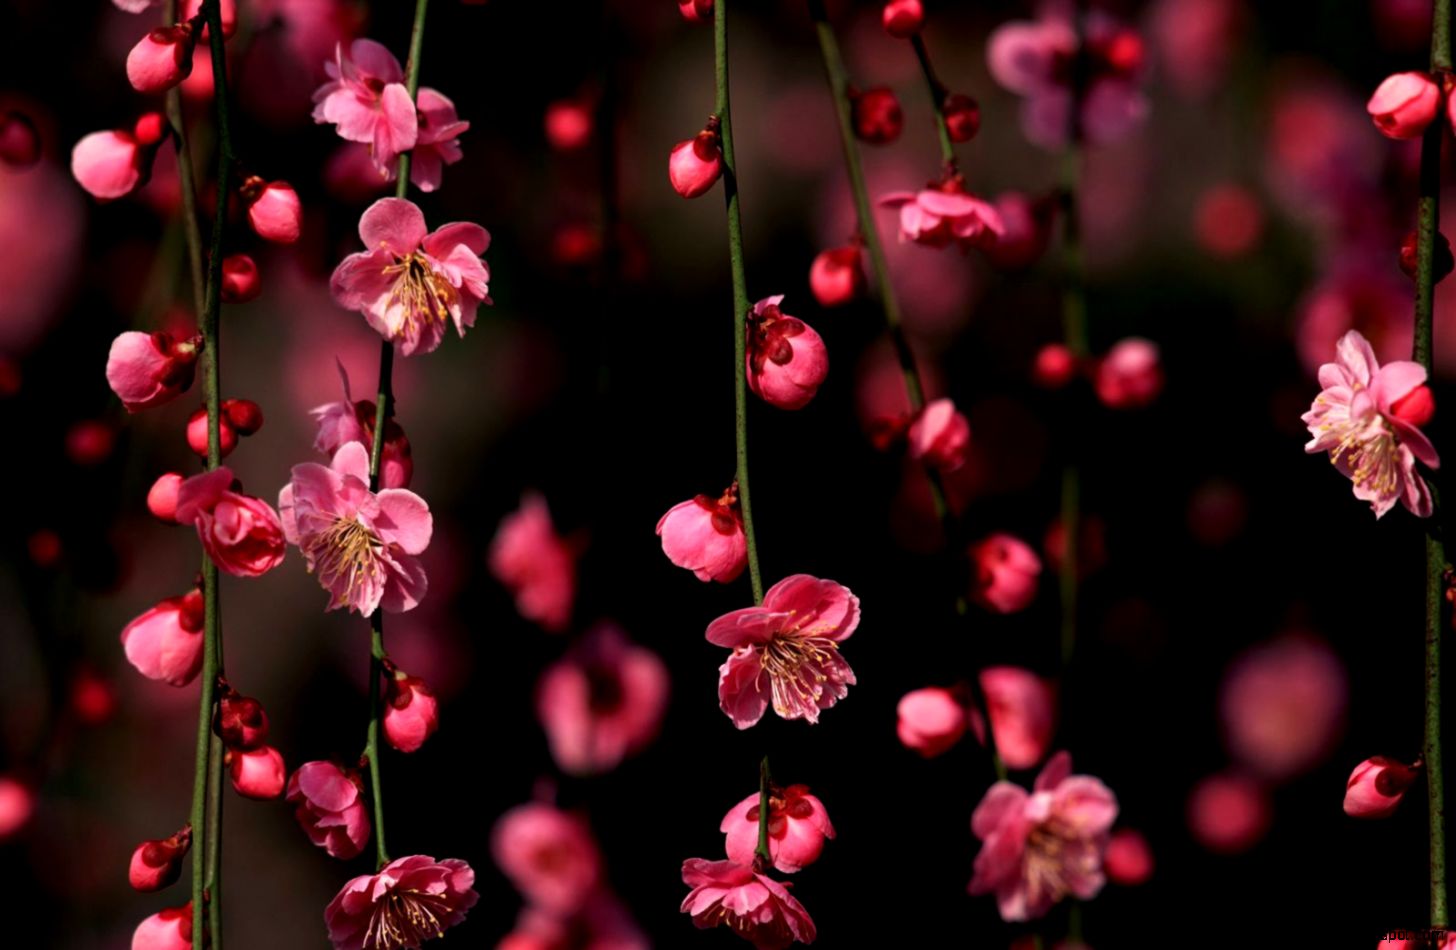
{"x":363,"y":546}
{"x":757,"y":908}
{"x":786,"y":651}
{"x":409,"y":901}
{"x":411,"y":284}
{"x":366,"y":101}
{"x":1367,"y":416}
{"x":1039,"y":847}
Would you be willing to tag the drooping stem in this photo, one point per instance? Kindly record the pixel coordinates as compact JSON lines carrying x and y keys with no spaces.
{"x":762,"y":859}
{"x":937,"y":102}
{"x":187,"y":179}
{"x":1427,"y":229}
{"x":740,"y":288}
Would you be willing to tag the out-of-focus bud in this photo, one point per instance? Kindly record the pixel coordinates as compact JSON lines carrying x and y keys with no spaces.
{"x":1404,"y":104}
{"x":19,"y":141}
{"x":1376,"y":787}
{"x":240,"y":722}
{"x":940,"y":436}
{"x":411,"y":713}
{"x":17,"y":804}
{"x":150,"y":128}
{"x":162,"y":497}
{"x":837,"y":276}
{"x":170,"y":929}
{"x":274,"y":211}
{"x":1026,"y":230}
{"x":258,"y":774}
{"x":93,"y":697}
{"x":227,"y":436}
{"x":157,"y":864}
{"x":878,"y":118}
{"x":90,"y":441}
{"x":1004,"y":573}
{"x":1130,"y":376}
{"x":240,"y":280}
{"x":161,"y":60}
{"x":243,"y":415}
{"x":1441,"y":259}
{"x":695,"y":11}
{"x":568,"y":124}
{"x":1023,"y":710}
{"x":902,"y":19}
{"x":1228,"y":813}
{"x":930,"y":720}
{"x":1128,"y":859}
{"x":695,"y":165}
{"x":962,"y":117}
{"x":1055,"y":366}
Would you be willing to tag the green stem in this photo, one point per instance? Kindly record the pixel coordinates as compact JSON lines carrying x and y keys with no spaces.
{"x":740,"y":288}
{"x":187,"y":178}
{"x":376,"y":709}
{"x":937,"y":103}
{"x":1427,"y":229}
{"x":762,"y":858}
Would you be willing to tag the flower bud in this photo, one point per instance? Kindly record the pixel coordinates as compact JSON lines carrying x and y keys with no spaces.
{"x":411,"y":714}
{"x":197,"y":434}
{"x":162,"y":497}
{"x":695,"y":11}
{"x":170,"y":929}
{"x":150,"y":128}
{"x":1128,"y":860}
{"x":940,"y":435}
{"x":1023,"y":710}
{"x":19,"y":141}
{"x":930,"y":720}
{"x":240,"y":281}
{"x":146,"y":370}
{"x":1404,"y":104}
{"x":706,"y":536}
{"x":695,"y":165}
{"x":1441,"y":259}
{"x":240,"y":722}
{"x":902,"y":19}
{"x":787,"y":360}
{"x":1376,"y":787}
{"x":157,"y":864}
{"x":244,"y":415}
{"x":797,"y":828}
{"x":878,"y":118}
{"x":110,"y":164}
{"x":1004,"y":572}
{"x":161,"y":60}
{"x":17,"y":804}
{"x":165,"y":642}
{"x":274,"y":210}
{"x":1415,"y":407}
{"x":962,"y":117}
{"x":1055,"y":366}
{"x":258,"y":774}
{"x":836,"y":276}
{"x":568,"y":125}
{"x":1130,"y":376}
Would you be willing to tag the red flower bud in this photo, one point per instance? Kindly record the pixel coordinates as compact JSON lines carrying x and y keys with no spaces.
{"x":878,"y":118}
{"x":274,"y":210}
{"x":240,"y":722}
{"x":1415,"y":407}
{"x":695,"y":165}
{"x":962,"y":117}
{"x":902,"y":19}
{"x":1441,"y":260}
{"x":162,"y":497}
{"x":836,"y":276}
{"x":19,"y":141}
{"x":157,"y":864}
{"x":240,"y":281}
{"x":197,"y":434}
{"x":243,"y":415}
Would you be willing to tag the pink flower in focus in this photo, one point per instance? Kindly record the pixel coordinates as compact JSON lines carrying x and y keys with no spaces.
{"x":258,"y":773}
{"x":1368,"y":417}
{"x":328,"y":802}
{"x":1043,"y":846}
{"x":1023,"y":710}
{"x":340,"y":423}
{"x":169,"y":929}
{"x":1376,"y":787}
{"x":1283,"y":706}
{"x":930,"y":721}
{"x":1129,"y":860}
{"x":161,"y":60}
{"x":157,"y":864}
{"x":411,"y":284}
{"x":602,"y":702}
{"x":411,"y":712}
{"x":756,"y":908}
{"x":364,"y":546}
{"x":366,"y":101}
{"x":146,"y":370}
{"x":792,"y":640}
{"x":797,"y":828}
{"x":1130,"y":376}
{"x":940,"y":214}
{"x":1006,"y":570}
{"x":837,"y":277}
{"x":706,"y":536}
{"x":538,"y":566}
{"x":1404,"y":104}
{"x":549,"y":855}
{"x":940,"y":436}
{"x":787,"y":361}
{"x":165,"y":642}
{"x":241,"y":534}
{"x":438,"y":144}
{"x":274,"y":211}
{"x":112,"y":164}
{"x":406,"y":903}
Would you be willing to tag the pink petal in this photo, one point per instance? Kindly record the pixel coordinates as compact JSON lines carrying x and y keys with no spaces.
{"x":393,"y":224}
{"x":404,"y":518}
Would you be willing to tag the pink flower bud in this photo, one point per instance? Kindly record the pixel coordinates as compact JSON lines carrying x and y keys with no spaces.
{"x":836,"y":276}
{"x":274,"y":210}
{"x":411,"y":713}
{"x":706,"y":537}
{"x":165,"y":642}
{"x":1130,"y":376}
{"x":110,"y":164}
{"x":1004,"y":573}
{"x":1023,"y":709}
{"x":695,"y":11}
{"x":787,"y":361}
{"x":940,"y":435}
{"x":930,"y":720}
{"x":695,"y":165}
{"x":244,"y":415}
{"x":157,"y":864}
{"x":19,"y":141}
{"x":1442,"y":261}
{"x":1404,"y":104}
{"x":240,"y":722}
{"x":797,"y":828}
{"x":17,"y":804}
{"x":150,"y":369}
{"x":150,"y":128}
{"x":170,"y":929}
{"x":1376,"y":787}
{"x":240,"y":281}
{"x":162,"y":497}
{"x":1415,"y":407}
{"x":161,"y":60}
{"x":1026,"y":231}
{"x":329,"y":805}
{"x":568,"y":125}
{"x":877,"y":116}
{"x":1055,"y":366}
{"x":902,"y":19}
{"x":227,"y":436}
{"x":258,"y":774}
{"x":962,"y":117}
{"x":1128,"y":860}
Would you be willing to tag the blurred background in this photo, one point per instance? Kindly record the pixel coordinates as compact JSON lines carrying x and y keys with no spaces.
{"x":1245,"y":623}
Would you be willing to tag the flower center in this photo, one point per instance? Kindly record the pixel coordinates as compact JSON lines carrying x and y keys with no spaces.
{"x":406,"y":919}
{"x":1049,"y":860}
{"x":420,"y":291}
{"x":347,"y":551}
{"x":1372,"y":455}
{"x":795,"y":669}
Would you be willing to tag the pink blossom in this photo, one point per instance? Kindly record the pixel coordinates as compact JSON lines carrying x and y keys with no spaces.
{"x":19,"y":141}
{"x":787,"y":361}
{"x":161,"y":60}
{"x":364,"y":546}
{"x":257,"y":773}
{"x":1005,"y":573}
{"x":797,"y":828}
{"x":602,"y":702}
{"x":792,"y":640}
{"x":240,"y":281}
{"x":705,"y":536}
{"x":1358,"y":419}
{"x":340,"y":423}
{"x":411,"y":712}
{"x":406,"y":903}
{"x":169,"y":929}
{"x":837,"y":277}
{"x":1404,"y":104}
{"x":157,"y":864}
{"x":165,"y":642}
{"x":17,"y":804}
{"x":1282,"y":705}
{"x":902,"y":19}
{"x":328,"y":803}
{"x":930,"y":721}
{"x":1042,"y":846}
{"x":1129,"y":860}
{"x":602,"y":924}
{"x":1130,"y":376}
{"x":150,"y":369}
{"x":938,"y":215}
{"x":1023,"y":710}
{"x":112,"y":164}
{"x":438,"y":144}
{"x":940,"y":435}
{"x":549,"y":855}
{"x":241,"y":534}
{"x":1376,"y":787}
{"x":537,"y":565}
{"x":274,"y":211}
{"x":1228,"y":813}
{"x":366,"y":101}
{"x":411,"y":284}
{"x":695,"y":165}
{"x":755,"y":907}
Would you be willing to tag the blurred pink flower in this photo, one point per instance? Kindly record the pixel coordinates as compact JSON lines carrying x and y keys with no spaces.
{"x":1129,"y":860}
{"x":1130,"y":375}
{"x":602,"y":924}
{"x":258,"y":773}
{"x":705,"y":535}
{"x":1283,"y":705}
{"x":366,"y":100}
{"x":940,"y":435}
{"x":937,"y":215}
{"x":165,"y":642}
{"x":756,"y":908}
{"x":17,"y":804}
{"x":1376,"y":787}
{"x":364,"y":546}
{"x":1042,"y":846}
{"x":798,"y":826}
{"x":38,"y":268}
{"x":1006,"y":571}
{"x":837,"y":275}
{"x":146,"y":370}
{"x":1023,"y":710}
{"x":549,"y":855}
{"x":1195,"y":40}
{"x":1353,"y":297}
{"x":1228,"y":813}
{"x":930,"y":720}
{"x":242,"y":534}
{"x":537,"y":565}
{"x":792,"y":640}
{"x":169,"y":929}
{"x":411,"y":712}
{"x":787,"y":361}
{"x":1025,"y":230}
{"x":406,"y":903}
{"x":328,"y":803}
{"x":340,"y":423}
{"x":1368,"y":418}
{"x":601,"y":702}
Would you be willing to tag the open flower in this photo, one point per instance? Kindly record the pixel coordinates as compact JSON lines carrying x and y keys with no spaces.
{"x":411,"y":284}
{"x":1368,"y":417}
{"x":757,"y":908}
{"x":409,"y":901}
{"x":438,"y":144}
{"x":549,"y":855}
{"x":363,"y":546}
{"x":937,"y":215}
{"x":242,"y":534}
{"x":539,"y":567}
{"x":328,"y":802}
{"x":366,"y":100}
{"x":792,"y":640}
{"x":798,"y":826}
